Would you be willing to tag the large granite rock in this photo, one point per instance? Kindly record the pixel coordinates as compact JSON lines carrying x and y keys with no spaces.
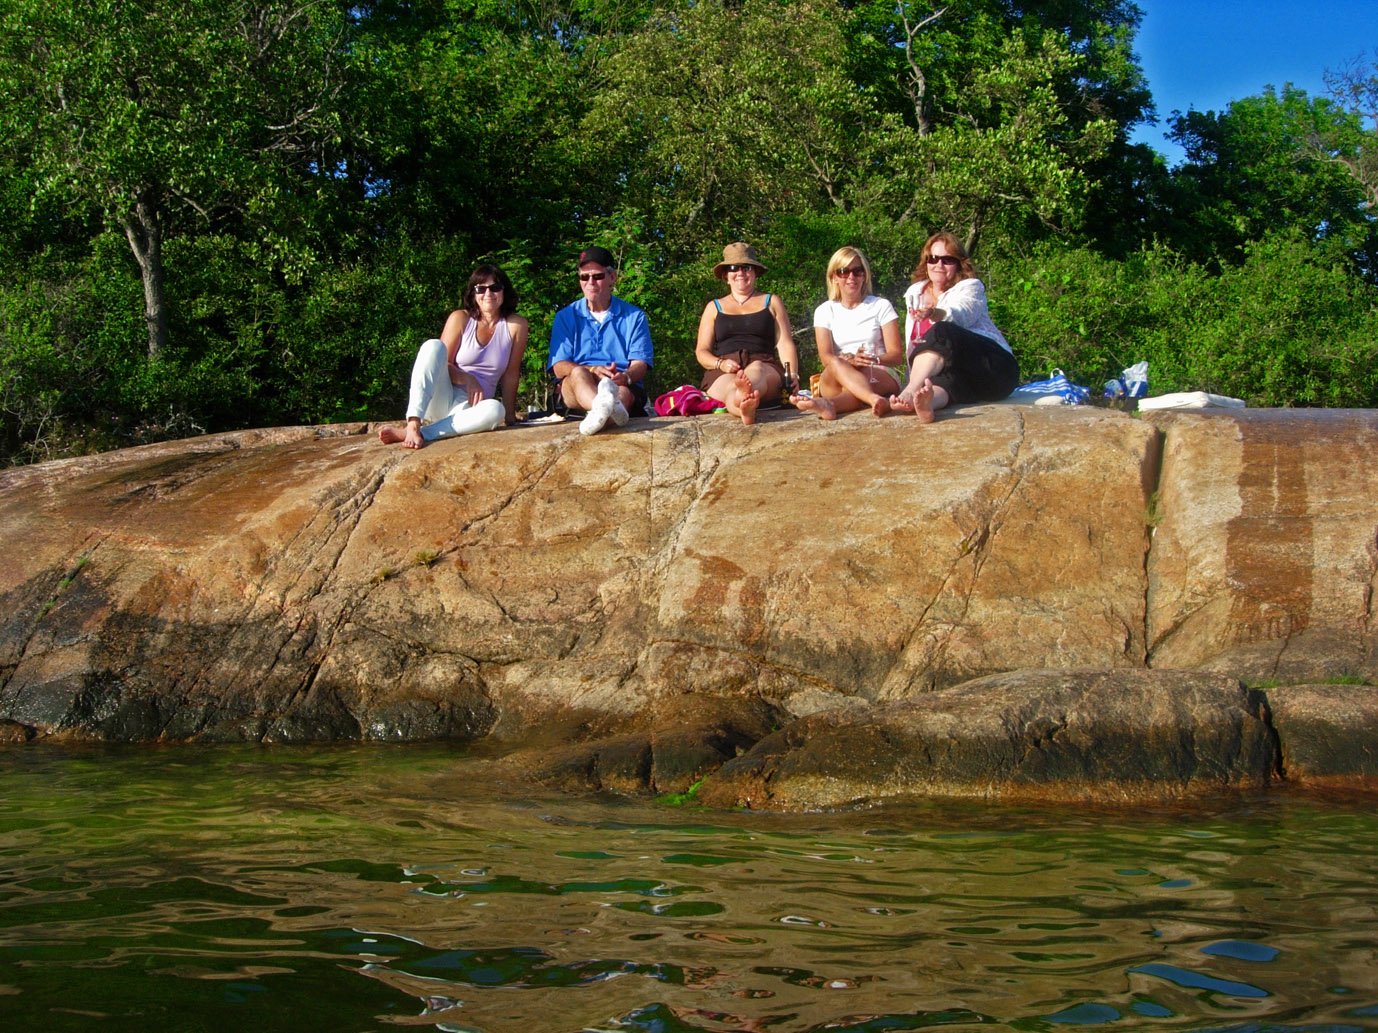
{"x":680,"y":587}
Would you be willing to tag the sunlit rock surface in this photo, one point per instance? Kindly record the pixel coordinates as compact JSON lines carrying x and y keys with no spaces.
{"x":1265,"y":557}
{"x":632,"y":610}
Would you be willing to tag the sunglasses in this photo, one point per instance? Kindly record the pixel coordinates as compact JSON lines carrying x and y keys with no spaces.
{"x":740,"y":268}
{"x":484,"y":288}
{"x":943,"y":260}
{"x":593,"y":277}
{"x":854,"y":270}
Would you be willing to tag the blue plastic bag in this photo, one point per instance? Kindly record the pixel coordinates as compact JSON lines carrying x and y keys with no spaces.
{"x":1041,"y":392}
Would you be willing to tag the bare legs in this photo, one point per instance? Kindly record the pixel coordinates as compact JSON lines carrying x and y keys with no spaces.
{"x":921,"y":396}
{"x":742,"y":393}
{"x":844,"y":388}
{"x":410,"y":439}
{"x":580,"y":389}
{"x":607,"y":405}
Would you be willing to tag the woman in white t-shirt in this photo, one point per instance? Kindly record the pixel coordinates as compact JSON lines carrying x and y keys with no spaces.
{"x":858,"y":337}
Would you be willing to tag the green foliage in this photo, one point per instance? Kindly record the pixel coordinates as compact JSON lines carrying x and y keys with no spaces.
{"x":1015,"y":159}
{"x":1253,"y":169}
{"x":723,"y":114}
{"x":682,"y":799}
{"x":215,"y":216}
{"x":168,"y":118}
{"x":1287,"y":327}
{"x":1355,"y":89}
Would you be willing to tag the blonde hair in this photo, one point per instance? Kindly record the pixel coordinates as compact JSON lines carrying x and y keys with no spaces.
{"x":844,"y":256}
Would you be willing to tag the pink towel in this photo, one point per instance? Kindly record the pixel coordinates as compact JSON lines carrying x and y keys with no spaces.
{"x":686,"y":400}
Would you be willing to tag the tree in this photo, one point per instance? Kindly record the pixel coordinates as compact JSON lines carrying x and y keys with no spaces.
{"x":162,"y":114}
{"x":1355,"y":89}
{"x":1014,"y":159}
{"x":1253,"y":169}
{"x":723,"y":113}
{"x":937,"y":63}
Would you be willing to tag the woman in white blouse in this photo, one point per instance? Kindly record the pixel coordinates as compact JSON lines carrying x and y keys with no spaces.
{"x":858,"y":338}
{"x":956,"y":353}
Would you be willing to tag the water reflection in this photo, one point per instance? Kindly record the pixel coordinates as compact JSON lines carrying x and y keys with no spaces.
{"x":360,"y":889}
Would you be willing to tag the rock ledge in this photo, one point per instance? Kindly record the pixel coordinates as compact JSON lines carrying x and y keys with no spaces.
{"x":1015,"y":602}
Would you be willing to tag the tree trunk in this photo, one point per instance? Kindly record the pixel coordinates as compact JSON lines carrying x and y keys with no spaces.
{"x":917,"y":87}
{"x":144,"y":231}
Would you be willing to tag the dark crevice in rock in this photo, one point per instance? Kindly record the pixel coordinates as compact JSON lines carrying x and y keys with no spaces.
{"x":345,"y":517}
{"x":74,"y":567}
{"x":976,"y":546}
{"x":1153,"y":486}
{"x":1265,"y":713}
{"x":524,"y":488}
{"x":1372,"y":587}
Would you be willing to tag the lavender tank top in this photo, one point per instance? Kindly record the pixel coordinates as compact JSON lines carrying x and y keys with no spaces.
{"x":485,"y":362}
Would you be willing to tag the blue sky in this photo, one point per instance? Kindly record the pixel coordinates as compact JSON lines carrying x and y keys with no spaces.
{"x":1205,"y":53}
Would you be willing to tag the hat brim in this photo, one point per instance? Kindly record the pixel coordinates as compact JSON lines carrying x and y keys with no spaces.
{"x":720,"y":270}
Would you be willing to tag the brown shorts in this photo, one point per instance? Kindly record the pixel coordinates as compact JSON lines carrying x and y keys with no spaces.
{"x":743,"y":359}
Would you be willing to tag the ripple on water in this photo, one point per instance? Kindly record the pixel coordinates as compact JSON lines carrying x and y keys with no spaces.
{"x":353,"y":889}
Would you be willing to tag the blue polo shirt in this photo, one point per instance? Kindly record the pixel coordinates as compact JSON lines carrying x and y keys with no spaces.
{"x":622,"y":337}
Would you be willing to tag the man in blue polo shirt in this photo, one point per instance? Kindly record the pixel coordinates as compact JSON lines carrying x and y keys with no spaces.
{"x":600,"y":347}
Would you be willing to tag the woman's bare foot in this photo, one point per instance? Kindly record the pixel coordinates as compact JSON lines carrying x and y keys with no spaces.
{"x":880,"y":406}
{"x":411,"y":438}
{"x":923,"y":401}
{"x":748,"y":398}
{"x":748,"y":403}
{"x":825,"y":409}
{"x":901,"y":402}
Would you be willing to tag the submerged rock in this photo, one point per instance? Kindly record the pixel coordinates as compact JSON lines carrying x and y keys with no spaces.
{"x":682,"y":587}
{"x":1329,"y":733}
{"x":1022,"y":735}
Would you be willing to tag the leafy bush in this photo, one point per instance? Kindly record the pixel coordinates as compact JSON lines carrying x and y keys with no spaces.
{"x":1286,"y":327}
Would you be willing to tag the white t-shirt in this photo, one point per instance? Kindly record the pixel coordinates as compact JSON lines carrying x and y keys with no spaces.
{"x":856,"y":331}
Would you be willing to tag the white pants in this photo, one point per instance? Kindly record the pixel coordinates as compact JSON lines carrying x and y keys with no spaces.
{"x":447,"y":407}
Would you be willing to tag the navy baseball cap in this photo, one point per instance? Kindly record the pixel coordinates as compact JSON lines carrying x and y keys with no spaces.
{"x":601,"y":255}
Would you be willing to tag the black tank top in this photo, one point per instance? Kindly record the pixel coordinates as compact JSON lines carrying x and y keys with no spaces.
{"x":753,"y":332}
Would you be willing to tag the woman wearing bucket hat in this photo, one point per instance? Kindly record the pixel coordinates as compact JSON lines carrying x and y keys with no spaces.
{"x":744,"y":336}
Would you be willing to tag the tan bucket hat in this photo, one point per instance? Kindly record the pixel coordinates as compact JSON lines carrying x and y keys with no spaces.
{"x":739,"y":253}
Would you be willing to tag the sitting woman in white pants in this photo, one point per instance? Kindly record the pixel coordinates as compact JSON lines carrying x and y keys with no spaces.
{"x":457,"y":376}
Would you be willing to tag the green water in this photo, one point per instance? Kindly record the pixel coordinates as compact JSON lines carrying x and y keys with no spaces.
{"x":370,"y":889}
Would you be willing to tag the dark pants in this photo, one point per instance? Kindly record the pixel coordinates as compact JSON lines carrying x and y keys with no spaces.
{"x":975,"y":368}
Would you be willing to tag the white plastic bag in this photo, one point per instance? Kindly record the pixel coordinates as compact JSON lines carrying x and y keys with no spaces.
{"x":1131,"y":383}
{"x":1190,"y":400}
